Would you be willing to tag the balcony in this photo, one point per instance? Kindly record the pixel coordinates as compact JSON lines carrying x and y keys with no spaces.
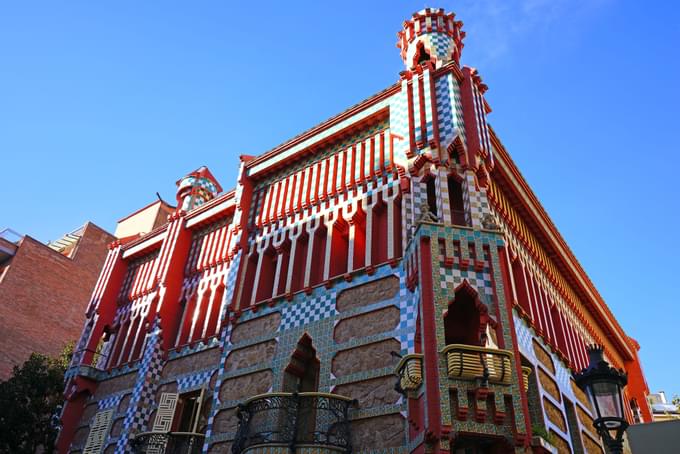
{"x":469,"y":362}
{"x":168,"y":443}
{"x":294,"y":420}
{"x":410,"y":372}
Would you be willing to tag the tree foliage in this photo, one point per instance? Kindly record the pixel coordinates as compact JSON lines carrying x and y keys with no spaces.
{"x":29,"y":401}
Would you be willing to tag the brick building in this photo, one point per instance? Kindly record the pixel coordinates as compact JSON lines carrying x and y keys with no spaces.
{"x":44,"y":289}
{"x":383,"y":282}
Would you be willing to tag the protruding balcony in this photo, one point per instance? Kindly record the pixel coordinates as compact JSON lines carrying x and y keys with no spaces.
{"x":410,"y":372}
{"x":526,"y":372}
{"x":168,"y":443}
{"x":294,"y":420}
{"x":470,"y":362}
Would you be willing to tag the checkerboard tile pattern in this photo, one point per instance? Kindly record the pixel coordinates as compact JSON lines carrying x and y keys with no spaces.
{"x":109,"y":402}
{"x":452,"y":277}
{"x":442,"y":43}
{"x":524,"y":337}
{"x":429,"y":129}
{"x":317,"y":315}
{"x":143,"y":392}
{"x":476,"y":203}
{"x":399,"y":113}
{"x":320,"y":306}
{"x":445,"y":113}
{"x":416,"y":110}
{"x":408,"y":307}
{"x":193,"y":381}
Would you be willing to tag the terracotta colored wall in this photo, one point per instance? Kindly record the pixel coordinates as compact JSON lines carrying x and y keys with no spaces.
{"x":43,"y":296}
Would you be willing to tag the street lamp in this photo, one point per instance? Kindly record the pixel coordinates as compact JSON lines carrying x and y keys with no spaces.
{"x":604,"y":385}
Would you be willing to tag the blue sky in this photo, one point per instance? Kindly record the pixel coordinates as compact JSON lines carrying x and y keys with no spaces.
{"x":102,"y":105}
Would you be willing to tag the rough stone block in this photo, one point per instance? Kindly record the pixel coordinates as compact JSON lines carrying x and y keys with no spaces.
{"x":366,"y":357}
{"x":378,"y":392}
{"x":255,"y":328}
{"x":379,"y":432}
{"x":365,"y":294}
{"x":246,"y":386}
{"x":365,"y":325}
{"x":250,"y":356}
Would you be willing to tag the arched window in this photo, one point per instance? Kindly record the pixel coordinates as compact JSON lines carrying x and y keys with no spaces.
{"x":431,"y":194}
{"x":422,"y":55}
{"x":466,"y":318}
{"x":456,"y":201}
{"x":265,"y":282}
{"x":302,"y":376}
{"x":302,"y":372}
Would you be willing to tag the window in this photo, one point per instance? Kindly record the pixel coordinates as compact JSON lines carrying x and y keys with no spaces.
{"x":456,"y":202}
{"x":99,"y":429}
{"x":181,"y":412}
{"x":432,"y":195}
{"x":462,"y":320}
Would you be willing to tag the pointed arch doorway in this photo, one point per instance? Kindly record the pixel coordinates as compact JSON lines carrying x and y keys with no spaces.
{"x":302,"y":372}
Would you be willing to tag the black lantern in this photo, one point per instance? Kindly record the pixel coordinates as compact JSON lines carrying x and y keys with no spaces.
{"x":604,"y":386}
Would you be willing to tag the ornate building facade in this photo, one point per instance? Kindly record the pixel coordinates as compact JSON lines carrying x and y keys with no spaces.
{"x":383,"y":282}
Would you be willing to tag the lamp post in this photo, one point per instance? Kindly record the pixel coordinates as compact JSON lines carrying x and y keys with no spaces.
{"x":604,"y":385}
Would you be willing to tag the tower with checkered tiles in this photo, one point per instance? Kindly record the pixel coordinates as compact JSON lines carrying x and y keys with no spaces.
{"x":383,"y":282}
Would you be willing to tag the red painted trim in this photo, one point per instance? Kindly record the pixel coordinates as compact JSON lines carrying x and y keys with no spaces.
{"x":435,"y":113}
{"x":411,"y":117}
{"x":469,"y":116}
{"x":513,"y":334}
{"x":431,"y":356}
{"x":421,"y":103}
{"x":596,"y":307}
{"x":325,"y":125}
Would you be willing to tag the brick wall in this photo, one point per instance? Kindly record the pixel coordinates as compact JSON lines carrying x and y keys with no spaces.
{"x":43,"y":296}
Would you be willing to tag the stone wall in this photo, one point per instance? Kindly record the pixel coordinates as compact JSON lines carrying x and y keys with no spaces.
{"x":580,"y":395}
{"x":366,"y":357}
{"x":590,"y":445}
{"x":114,"y":385}
{"x":249,"y":356}
{"x":378,"y":392}
{"x":220,"y":448}
{"x":366,"y":294}
{"x":375,"y":322}
{"x":378,"y":433}
{"x":549,"y":385}
{"x":226,"y":421}
{"x":554,"y":415}
{"x":245,"y":386}
{"x":544,"y":357}
{"x":350,"y":327}
{"x":190,"y":363}
{"x":560,"y":443}
{"x":255,"y":328}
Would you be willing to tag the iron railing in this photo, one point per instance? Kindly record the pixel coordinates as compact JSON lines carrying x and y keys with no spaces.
{"x":168,"y":443}
{"x":294,"y":420}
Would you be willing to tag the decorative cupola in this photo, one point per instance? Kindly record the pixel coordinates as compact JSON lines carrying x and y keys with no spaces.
{"x":431,"y":35}
{"x":196,"y":188}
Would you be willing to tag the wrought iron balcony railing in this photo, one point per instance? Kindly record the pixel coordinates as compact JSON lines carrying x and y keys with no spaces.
{"x":294,"y":420}
{"x":471,"y":362}
{"x":168,"y":443}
